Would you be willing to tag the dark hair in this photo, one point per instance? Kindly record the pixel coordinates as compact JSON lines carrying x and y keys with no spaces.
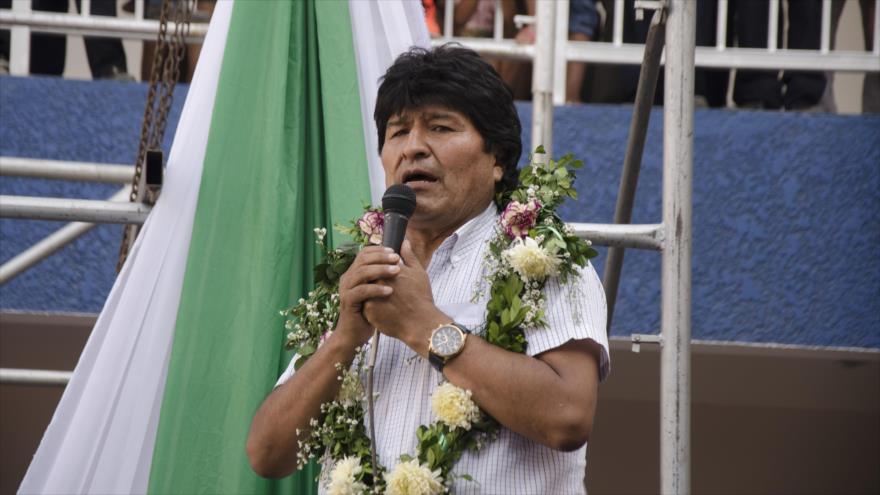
{"x":455,"y":77}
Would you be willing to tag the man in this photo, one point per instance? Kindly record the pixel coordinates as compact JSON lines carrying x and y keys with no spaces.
{"x":448,"y":129}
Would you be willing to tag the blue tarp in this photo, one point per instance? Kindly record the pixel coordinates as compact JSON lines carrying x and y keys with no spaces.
{"x":786,"y":228}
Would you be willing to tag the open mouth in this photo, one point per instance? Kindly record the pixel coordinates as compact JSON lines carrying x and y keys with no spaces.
{"x":415,"y":177}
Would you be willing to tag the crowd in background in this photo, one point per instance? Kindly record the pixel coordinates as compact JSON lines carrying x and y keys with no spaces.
{"x":747,"y":26}
{"x":106,"y":56}
{"x":589,"y":20}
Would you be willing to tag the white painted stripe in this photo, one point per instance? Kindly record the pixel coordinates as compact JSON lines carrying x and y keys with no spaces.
{"x":101,"y":438}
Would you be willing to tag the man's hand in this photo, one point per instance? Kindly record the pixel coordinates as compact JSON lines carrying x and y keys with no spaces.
{"x":361,"y":282}
{"x":409,"y":312}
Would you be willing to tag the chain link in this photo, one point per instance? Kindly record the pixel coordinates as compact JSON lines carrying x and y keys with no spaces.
{"x":168,"y":54}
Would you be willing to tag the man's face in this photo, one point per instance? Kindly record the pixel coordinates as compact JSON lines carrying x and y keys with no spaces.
{"x":440,"y":154}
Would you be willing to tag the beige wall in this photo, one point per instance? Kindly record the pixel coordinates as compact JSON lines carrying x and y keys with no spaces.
{"x":764,"y":420}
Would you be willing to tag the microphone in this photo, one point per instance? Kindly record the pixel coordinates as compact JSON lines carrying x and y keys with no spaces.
{"x":398,"y":203}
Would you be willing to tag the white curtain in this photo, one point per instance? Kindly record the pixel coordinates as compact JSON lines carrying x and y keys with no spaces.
{"x":382,"y":30}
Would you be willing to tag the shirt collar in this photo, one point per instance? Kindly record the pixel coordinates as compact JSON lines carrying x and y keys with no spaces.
{"x":473,"y":233}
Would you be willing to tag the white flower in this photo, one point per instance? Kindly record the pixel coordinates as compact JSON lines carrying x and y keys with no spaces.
{"x":351,"y":391}
{"x":454,"y":406}
{"x":412,"y":478}
{"x":343,"y":478}
{"x":530,"y":260}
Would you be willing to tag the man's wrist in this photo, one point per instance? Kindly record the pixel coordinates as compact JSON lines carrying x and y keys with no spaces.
{"x":420,"y":339}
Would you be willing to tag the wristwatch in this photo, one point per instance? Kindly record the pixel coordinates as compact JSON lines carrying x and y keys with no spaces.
{"x":446,"y":342}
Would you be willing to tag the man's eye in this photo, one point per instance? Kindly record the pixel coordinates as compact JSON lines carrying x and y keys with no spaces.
{"x":399,"y":132}
{"x":441,"y":128}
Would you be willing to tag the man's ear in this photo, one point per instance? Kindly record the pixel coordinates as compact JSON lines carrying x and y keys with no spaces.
{"x":498,"y":173}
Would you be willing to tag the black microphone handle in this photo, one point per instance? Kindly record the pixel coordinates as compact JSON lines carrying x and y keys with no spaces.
{"x":394,"y":230}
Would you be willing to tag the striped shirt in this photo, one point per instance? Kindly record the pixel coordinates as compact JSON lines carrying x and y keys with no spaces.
{"x":404,"y":381}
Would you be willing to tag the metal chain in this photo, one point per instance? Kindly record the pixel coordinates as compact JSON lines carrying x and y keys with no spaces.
{"x":166,"y":65}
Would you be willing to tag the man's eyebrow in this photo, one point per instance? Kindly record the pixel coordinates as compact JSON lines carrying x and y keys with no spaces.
{"x":399,"y":120}
{"x":441,"y":115}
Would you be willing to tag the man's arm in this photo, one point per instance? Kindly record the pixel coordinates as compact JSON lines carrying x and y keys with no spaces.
{"x":272,"y":441}
{"x":550,"y":398}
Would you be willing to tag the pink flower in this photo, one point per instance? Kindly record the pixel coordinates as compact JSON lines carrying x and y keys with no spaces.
{"x":372,"y":224}
{"x":518,"y":218}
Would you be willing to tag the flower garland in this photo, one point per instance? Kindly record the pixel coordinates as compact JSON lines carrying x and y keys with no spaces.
{"x":530,"y":245}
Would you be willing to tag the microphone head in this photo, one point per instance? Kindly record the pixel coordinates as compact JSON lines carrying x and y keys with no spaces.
{"x":400,"y":199}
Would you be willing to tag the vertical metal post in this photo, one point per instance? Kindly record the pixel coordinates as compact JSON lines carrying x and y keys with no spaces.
{"x":560,"y":60}
{"x":448,"y":18}
{"x":721,"y":26}
{"x":678,"y":133}
{"x":825,"y":40}
{"x":542,"y":75}
{"x":773,"y":25}
{"x":635,"y":145}
{"x":498,"y":22}
{"x":617,"y":37}
{"x":876,"y":49}
{"x":85,"y":8}
{"x":20,"y":42}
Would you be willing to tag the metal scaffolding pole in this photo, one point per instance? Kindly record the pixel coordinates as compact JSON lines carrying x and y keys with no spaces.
{"x":51,"y":244}
{"x":675,"y":325}
{"x":632,"y":161}
{"x":14,"y":376}
{"x":641,"y":236}
{"x":65,"y":170}
{"x":81,"y":210}
{"x":542,"y":76}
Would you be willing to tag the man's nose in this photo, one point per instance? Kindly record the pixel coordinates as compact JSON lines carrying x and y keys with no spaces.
{"x":416,"y":147}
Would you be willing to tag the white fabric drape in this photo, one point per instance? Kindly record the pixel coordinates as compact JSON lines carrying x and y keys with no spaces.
{"x":101,"y":437}
{"x":382,"y":30}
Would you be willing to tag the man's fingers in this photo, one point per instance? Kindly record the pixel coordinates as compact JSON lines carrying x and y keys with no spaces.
{"x":361,"y":293}
{"x":375,"y":255}
{"x":367,"y":274}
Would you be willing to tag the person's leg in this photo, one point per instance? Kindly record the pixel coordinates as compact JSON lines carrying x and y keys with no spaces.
{"x":804,"y":88}
{"x":710,"y":85}
{"x":106,"y":55}
{"x":4,"y":41}
{"x":583,"y":19}
{"x":48,"y":50}
{"x":871,"y":88}
{"x":754,"y":88}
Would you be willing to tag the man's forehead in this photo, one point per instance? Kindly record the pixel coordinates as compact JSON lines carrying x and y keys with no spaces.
{"x":425,"y":112}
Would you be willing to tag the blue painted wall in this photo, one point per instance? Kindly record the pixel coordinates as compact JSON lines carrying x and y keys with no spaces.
{"x":786,"y":231}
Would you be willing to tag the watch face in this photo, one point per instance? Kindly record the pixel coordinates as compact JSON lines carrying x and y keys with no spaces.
{"x":446,"y":341}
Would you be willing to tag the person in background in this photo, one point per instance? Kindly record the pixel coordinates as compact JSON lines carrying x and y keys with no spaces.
{"x":765,"y":89}
{"x":48,"y":51}
{"x":583,"y":19}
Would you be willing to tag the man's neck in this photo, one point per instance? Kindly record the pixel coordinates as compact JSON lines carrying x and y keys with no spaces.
{"x":425,"y":240}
